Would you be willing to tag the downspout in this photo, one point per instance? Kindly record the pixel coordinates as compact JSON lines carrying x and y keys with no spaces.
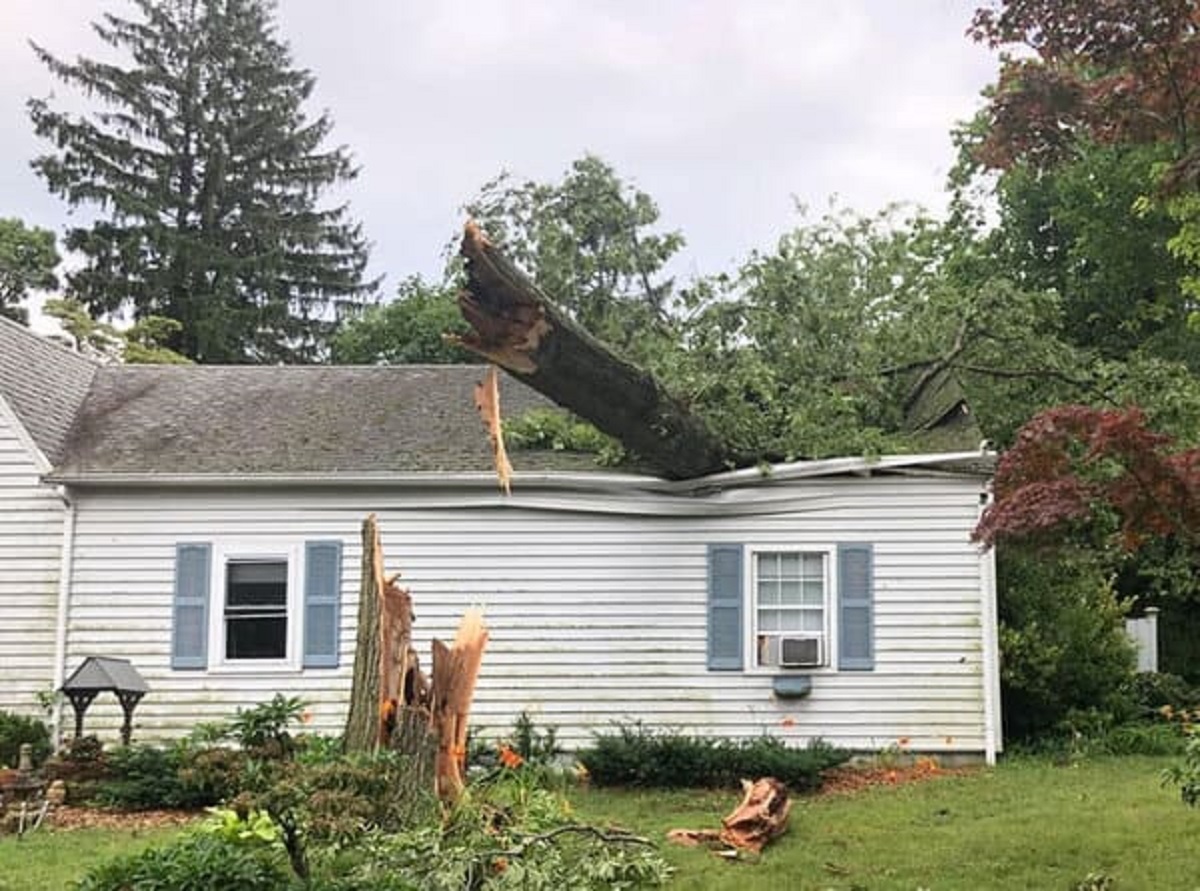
{"x":65,"y":569}
{"x":992,"y":740}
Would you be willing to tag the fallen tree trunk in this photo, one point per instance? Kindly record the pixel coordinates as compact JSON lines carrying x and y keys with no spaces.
{"x":515,"y":326}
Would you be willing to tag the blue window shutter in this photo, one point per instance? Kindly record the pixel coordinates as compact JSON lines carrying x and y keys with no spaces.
{"x":856,"y":607}
{"x":322,"y":600}
{"x":189,"y":614}
{"x":725,"y":606}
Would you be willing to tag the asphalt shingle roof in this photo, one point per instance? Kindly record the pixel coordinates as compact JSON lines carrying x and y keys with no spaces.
{"x":155,"y":419}
{"x":44,"y":383}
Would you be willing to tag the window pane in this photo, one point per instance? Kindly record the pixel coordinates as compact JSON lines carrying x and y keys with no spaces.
{"x":768,"y":593}
{"x":789,"y":593}
{"x":768,"y":566}
{"x":812,"y":568}
{"x":789,"y":565}
{"x":791,"y":620}
{"x":812,"y":594}
{"x":258,"y":637}
{"x":256,"y":584}
{"x":811,"y":620}
{"x":768,"y":620}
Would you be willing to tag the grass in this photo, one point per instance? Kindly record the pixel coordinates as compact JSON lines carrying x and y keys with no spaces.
{"x":49,"y":861}
{"x":1026,"y":824}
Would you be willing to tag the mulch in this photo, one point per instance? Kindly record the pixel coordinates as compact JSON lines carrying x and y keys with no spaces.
{"x":849,"y":780}
{"x":67,"y":818}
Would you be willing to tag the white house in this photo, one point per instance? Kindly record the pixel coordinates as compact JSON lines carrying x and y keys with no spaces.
{"x":204,"y":522}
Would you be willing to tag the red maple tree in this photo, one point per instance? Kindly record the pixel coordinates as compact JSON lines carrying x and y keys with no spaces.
{"x":1108,"y":70}
{"x":1073,"y":466}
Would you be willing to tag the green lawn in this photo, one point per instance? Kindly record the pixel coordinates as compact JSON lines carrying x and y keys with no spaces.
{"x":48,"y":861}
{"x":1025,"y":825}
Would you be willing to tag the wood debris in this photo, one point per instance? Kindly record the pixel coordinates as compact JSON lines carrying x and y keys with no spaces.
{"x":760,"y":817}
{"x":487,"y":400}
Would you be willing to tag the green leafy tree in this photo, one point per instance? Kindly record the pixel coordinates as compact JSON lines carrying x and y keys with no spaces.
{"x":206,"y":173}
{"x":409,"y":329}
{"x":141,"y":343}
{"x":590,"y":241}
{"x":835,"y":342}
{"x":27,"y":263}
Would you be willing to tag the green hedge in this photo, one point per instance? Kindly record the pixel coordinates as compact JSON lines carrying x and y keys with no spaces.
{"x":637,"y":756}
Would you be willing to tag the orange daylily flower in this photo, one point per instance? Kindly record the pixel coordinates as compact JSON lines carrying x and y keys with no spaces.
{"x":510,"y":759}
{"x":306,"y":716}
{"x":788,"y":722}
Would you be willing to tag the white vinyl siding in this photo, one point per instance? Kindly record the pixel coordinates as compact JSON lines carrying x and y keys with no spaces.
{"x":31,"y":522}
{"x":597,"y":607}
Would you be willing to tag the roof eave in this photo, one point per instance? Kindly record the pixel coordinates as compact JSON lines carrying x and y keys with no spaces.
{"x":593,"y":481}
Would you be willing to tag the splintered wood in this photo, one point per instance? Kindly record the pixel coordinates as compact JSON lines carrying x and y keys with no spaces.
{"x":487,"y":400}
{"x":406,"y":708}
{"x":762,"y":815}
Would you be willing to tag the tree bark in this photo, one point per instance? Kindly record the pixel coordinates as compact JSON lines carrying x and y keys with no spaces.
{"x":362,"y":722}
{"x":516,"y":326}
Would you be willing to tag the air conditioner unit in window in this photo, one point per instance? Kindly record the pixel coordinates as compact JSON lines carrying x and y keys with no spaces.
{"x":800,"y":652}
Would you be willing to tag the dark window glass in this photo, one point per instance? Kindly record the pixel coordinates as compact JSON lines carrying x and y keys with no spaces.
{"x":256,"y":610}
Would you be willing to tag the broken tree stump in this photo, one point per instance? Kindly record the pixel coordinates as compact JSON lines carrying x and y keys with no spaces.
{"x":516,"y":326}
{"x":455,"y":672}
{"x":760,"y":817}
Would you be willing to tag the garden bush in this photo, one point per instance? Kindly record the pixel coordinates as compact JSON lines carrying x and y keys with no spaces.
{"x":16,"y":730}
{"x":146,"y":777}
{"x":199,"y":861}
{"x":1062,"y":642}
{"x":637,"y":756}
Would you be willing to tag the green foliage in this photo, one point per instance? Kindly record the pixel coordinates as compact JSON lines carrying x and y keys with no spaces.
{"x":1151,"y":691}
{"x":16,"y":730}
{"x":1088,"y":231}
{"x":1186,"y":775}
{"x":544,"y":428}
{"x":636,"y":756}
{"x":141,"y":343}
{"x":856,"y":335}
{"x":408,"y":330}
{"x":590,"y":242}
{"x":146,"y":777}
{"x":1062,"y":643}
{"x":264,"y":728}
{"x":205,"y":174}
{"x":506,"y":833}
{"x":198,"y":861}
{"x":27,"y":262}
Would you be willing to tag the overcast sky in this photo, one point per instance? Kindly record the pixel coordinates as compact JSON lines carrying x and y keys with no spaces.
{"x":725,"y":111}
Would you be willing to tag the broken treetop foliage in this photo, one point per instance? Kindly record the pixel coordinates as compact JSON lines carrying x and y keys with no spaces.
{"x":853,"y":337}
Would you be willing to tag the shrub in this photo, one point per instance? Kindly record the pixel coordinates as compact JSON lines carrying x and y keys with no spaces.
{"x":636,"y":756}
{"x":263,"y":729}
{"x":1062,"y":642}
{"x":16,"y":730}
{"x":145,"y":777}
{"x":1186,"y":775}
{"x":1150,"y":691}
{"x":199,"y":860}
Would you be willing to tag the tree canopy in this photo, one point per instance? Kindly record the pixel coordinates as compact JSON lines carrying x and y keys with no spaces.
{"x":205,"y":173}
{"x":28,"y":259}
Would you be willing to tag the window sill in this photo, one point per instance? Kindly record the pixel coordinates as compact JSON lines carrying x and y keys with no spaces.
{"x":263,"y":667}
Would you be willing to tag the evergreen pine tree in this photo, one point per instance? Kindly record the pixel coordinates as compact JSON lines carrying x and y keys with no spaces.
{"x":207,"y":174}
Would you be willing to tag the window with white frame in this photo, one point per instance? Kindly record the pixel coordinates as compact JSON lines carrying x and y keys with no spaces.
{"x":257,"y":605}
{"x":790,"y":591}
